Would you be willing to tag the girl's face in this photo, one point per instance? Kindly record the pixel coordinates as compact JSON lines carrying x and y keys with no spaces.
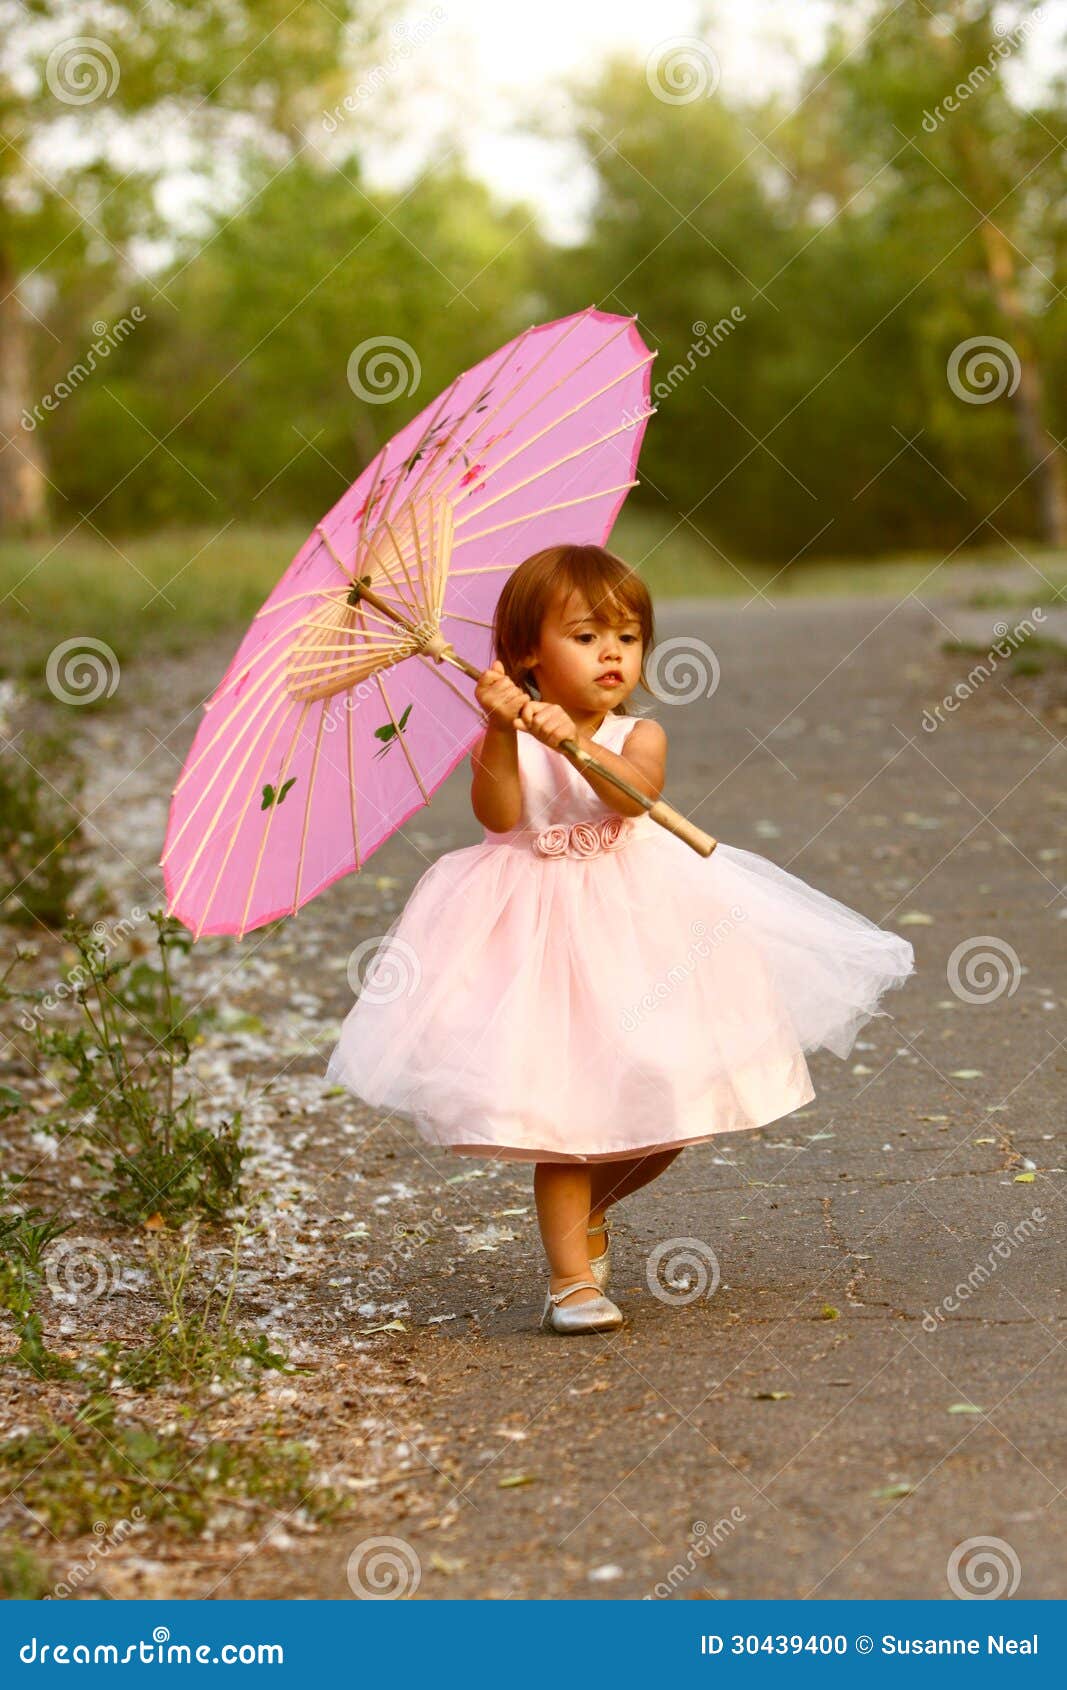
{"x":587,"y":661}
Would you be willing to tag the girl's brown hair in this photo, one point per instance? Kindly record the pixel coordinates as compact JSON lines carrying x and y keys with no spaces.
{"x":609,"y":586}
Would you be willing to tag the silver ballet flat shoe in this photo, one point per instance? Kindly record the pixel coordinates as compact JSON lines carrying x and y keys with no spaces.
{"x":599,"y":1314}
{"x":600,"y":1266}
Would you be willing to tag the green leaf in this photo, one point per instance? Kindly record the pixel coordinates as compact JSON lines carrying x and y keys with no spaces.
{"x":271,"y":797}
{"x":888,"y":1491}
{"x":828,"y":1312}
{"x":964,"y":1408}
{"x":389,"y":729}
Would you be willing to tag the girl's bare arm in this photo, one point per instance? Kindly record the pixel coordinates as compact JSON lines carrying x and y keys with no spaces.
{"x":496,"y":789}
{"x":643,"y":764}
{"x":496,"y":792}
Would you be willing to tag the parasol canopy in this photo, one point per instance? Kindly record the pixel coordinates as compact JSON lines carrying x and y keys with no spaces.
{"x":336,"y":719}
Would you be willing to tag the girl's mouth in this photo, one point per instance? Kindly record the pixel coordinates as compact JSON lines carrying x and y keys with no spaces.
{"x":611,"y":679}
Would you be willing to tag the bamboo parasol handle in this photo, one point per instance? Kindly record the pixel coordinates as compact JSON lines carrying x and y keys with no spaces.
{"x":661,"y":812}
{"x":433,"y":644}
{"x":657,"y":808}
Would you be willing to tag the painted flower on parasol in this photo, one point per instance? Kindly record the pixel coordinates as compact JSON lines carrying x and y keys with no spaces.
{"x":339,"y":715}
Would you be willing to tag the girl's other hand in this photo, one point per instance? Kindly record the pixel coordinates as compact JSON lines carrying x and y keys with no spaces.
{"x":499,"y":697}
{"x":548,"y":722}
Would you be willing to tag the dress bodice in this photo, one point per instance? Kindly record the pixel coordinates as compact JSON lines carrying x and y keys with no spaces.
{"x":553,"y":791}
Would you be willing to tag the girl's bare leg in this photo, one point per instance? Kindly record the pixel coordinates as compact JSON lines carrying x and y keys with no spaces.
{"x":611,"y":1180}
{"x":562,"y":1192}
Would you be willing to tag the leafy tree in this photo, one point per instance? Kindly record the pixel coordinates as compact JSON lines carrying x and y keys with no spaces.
{"x":81,"y":82}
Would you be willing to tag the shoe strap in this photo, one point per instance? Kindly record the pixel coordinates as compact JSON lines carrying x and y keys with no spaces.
{"x":590,"y":1230}
{"x":582,"y":1285}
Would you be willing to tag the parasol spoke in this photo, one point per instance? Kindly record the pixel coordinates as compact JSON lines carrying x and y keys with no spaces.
{"x":469,"y":514}
{"x":269,"y":706}
{"x":565,"y":416}
{"x":254,"y":787}
{"x":528,"y":376}
{"x":207,"y":833}
{"x":529,"y":516}
{"x":405,"y":748}
{"x":262,"y":679}
{"x":454,"y":615}
{"x":307,"y":807}
{"x":441,"y":676}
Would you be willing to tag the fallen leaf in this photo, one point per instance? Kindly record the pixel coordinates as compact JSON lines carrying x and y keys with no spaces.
{"x":770,"y":1396}
{"x":155,"y":1223}
{"x":389,"y":1326}
{"x":828,"y":1312}
{"x":1024,"y":1179}
{"x":915,"y":918}
{"x":514,"y":1479}
{"x":446,"y":1564}
{"x":903,"y":1489}
{"x":964,"y":1408}
{"x":965,"y":1074}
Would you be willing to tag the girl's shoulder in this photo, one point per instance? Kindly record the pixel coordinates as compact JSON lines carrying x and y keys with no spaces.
{"x":646,"y":730}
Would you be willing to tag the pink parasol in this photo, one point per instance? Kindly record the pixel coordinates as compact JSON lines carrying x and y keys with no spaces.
{"x":310,"y":755}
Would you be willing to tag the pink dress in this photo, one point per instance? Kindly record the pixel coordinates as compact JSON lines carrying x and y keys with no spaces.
{"x":586,"y":987}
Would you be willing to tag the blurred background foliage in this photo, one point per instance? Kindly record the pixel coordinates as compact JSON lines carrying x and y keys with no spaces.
{"x":843,"y":246}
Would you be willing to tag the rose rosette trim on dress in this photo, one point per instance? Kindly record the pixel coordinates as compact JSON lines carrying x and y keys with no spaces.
{"x":584,"y":839}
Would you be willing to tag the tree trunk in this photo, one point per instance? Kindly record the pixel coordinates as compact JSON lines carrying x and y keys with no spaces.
{"x":23,"y":504}
{"x":1042,"y":452}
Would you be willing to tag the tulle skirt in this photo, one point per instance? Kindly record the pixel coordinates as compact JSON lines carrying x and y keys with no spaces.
{"x":592,"y":1009}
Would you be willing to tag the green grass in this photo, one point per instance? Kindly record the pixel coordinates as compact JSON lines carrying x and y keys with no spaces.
{"x":102,"y":1463}
{"x":168,"y":590}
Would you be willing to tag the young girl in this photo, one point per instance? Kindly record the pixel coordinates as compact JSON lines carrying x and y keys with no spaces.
{"x":581,"y":990}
